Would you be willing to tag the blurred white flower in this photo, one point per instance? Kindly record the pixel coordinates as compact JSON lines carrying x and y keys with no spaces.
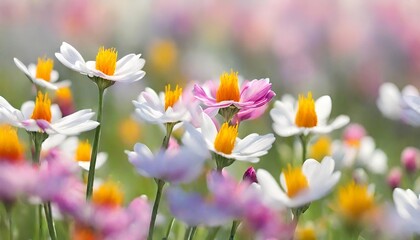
{"x":300,"y":185}
{"x":106,"y":66}
{"x":307,"y":116}
{"x":42,"y":74}
{"x":407,"y":204}
{"x":397,"y":105}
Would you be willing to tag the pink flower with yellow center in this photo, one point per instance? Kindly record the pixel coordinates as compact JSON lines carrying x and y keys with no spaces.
{"x":249,"y":95}
{"x":299,"y":185}
{"x":167,"y":107}
{"x":106,"y":66}
{"x":42,"y":74}
{"x":41,"y":116}
{"x":304,"y":117}
{"x":225,"y":142}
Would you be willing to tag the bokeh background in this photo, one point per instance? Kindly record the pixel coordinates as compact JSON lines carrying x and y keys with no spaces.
{"x":342,"y":48}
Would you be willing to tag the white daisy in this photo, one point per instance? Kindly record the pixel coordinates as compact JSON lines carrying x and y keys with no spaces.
{"x":166,"y":107}
{"x":397,"y":105}
{"x":226,"y":144}
{"x":41,"y":116}
{"x":307,"y":116}
{"x":300,"y":185}
{"x":74,"y":149}
{"x":407,"y":204}
{"x":106,"y":66}
{"x":175,"y":165}
{"x":42,"y":74}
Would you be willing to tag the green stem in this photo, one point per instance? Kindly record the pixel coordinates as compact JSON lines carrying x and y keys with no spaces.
{"x":38,"y":223}
{"x":168,"y":231}
{"x":9,"y":217}
{"x":187,"y":233}
{"x":169,"y":128}
{"x":91,"y":176}
{"x":235,"y":225}
{"x":160,"y":184}
{"x":50,"y":222}
{"x":304,"y":142}
{"x":212,"y":233}
{"x":192,"y":232}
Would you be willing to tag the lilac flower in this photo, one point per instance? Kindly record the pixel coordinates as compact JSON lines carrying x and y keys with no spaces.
{"x":250,"y":95}
{"x":173,"y":165}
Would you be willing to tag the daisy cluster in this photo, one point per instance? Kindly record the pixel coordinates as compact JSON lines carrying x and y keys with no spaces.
{"x":204,"y":139}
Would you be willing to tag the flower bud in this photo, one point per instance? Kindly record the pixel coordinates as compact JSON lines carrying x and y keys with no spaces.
{"x":354,"y":133}
{"x":394,"y":178}
{"x":250,"y":175}
{"x":409,"y":159}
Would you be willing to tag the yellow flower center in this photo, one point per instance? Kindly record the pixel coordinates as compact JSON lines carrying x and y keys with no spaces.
{"x":129,"y":131}
{"x":42,"y":108}
{"x":306,"y":115}
{"x":11,"y":149}
{"x":83,"y":151}
{"x":106,"y":60}
{"x":355,"y":201}
{"x":64,"y":94}
{"x":228,"y":87}
{"x":295,"y":180}
{"x":225,"y":139}
{"x":163,"y":55}
{"x":172,"y":96}
{"x":44,"y":68}
{"x":321,"y":148}
{"x":108,"y":195}
{"x":307,"y":233}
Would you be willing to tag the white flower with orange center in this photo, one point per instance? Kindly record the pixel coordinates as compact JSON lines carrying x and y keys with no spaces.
{"x":42,"y":74}
{"x":166,"y":107}
{"x":299,"y":185}
{"x":73,"y":148}
{"x":307,"y":116}
{"x":41,"y":116}
{"x":106,"y":66}
{"x":226,"y":143}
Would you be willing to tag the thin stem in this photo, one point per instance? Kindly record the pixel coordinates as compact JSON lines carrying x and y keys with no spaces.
{"x":91,"y":176}
{"x":192,"y":232}
{"x":187,"y":233}
{"x":160,"y":184}
{"x":9,"y":217}
{"x":169,"y":128}
{"x":168,"y":231}
{"x":38,"y":223}
{"x":235,"y":225}
{"x":303,"y":141}
{"x":211,"y":235}
{"x":50,"y":222}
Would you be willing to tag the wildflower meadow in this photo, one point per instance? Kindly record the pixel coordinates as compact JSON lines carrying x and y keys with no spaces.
{"x":274,"y":119}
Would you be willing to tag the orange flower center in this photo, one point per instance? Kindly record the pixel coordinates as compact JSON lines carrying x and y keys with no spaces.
{"x":83,"y":151}
{"x":44,"y":68}
{"x":42,"y":108}
{"x":108,"y":195}
{"x":172,"y":96}
{"x":11,"y":149}
{"x":295,"y":180}
{"x":106,"y":60}
{"x":355,"y":201}
{"x":84,"y":233}
{"x":306,"y":115}
{"x":228,"y":87}
{"x":321,"y":148}
{"x":225,"y":139}
{"x":64,"y":94}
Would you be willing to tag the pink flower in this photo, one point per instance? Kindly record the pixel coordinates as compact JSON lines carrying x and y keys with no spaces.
{"x":252,"y":94}
{"x":409,"y":159}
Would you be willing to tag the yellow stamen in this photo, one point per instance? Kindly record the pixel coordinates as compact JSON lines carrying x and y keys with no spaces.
{"x":44,"y":68}
{"x":64,"y":94}
{"x":172,"y":96}
{"x":42,"y":108}
{"x":295,"y":180}
{"x":225,"y":139}
{"x":321,"y":148}
{"x":228,"y":87}
{"x":355,"y":201}
{"x":11,"y":150}
{"x":106,"y":60}
{"x":306,"y":233}
{"x":108,"y":195}
{"x":83,"y":151}
{"x":306,"y":115}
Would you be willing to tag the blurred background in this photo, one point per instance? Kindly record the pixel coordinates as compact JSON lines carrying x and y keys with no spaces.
{"x":342,"y":48}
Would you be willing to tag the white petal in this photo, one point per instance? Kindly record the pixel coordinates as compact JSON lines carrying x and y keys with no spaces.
{"x":272,"y":192}
{"x":323,"y":109}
